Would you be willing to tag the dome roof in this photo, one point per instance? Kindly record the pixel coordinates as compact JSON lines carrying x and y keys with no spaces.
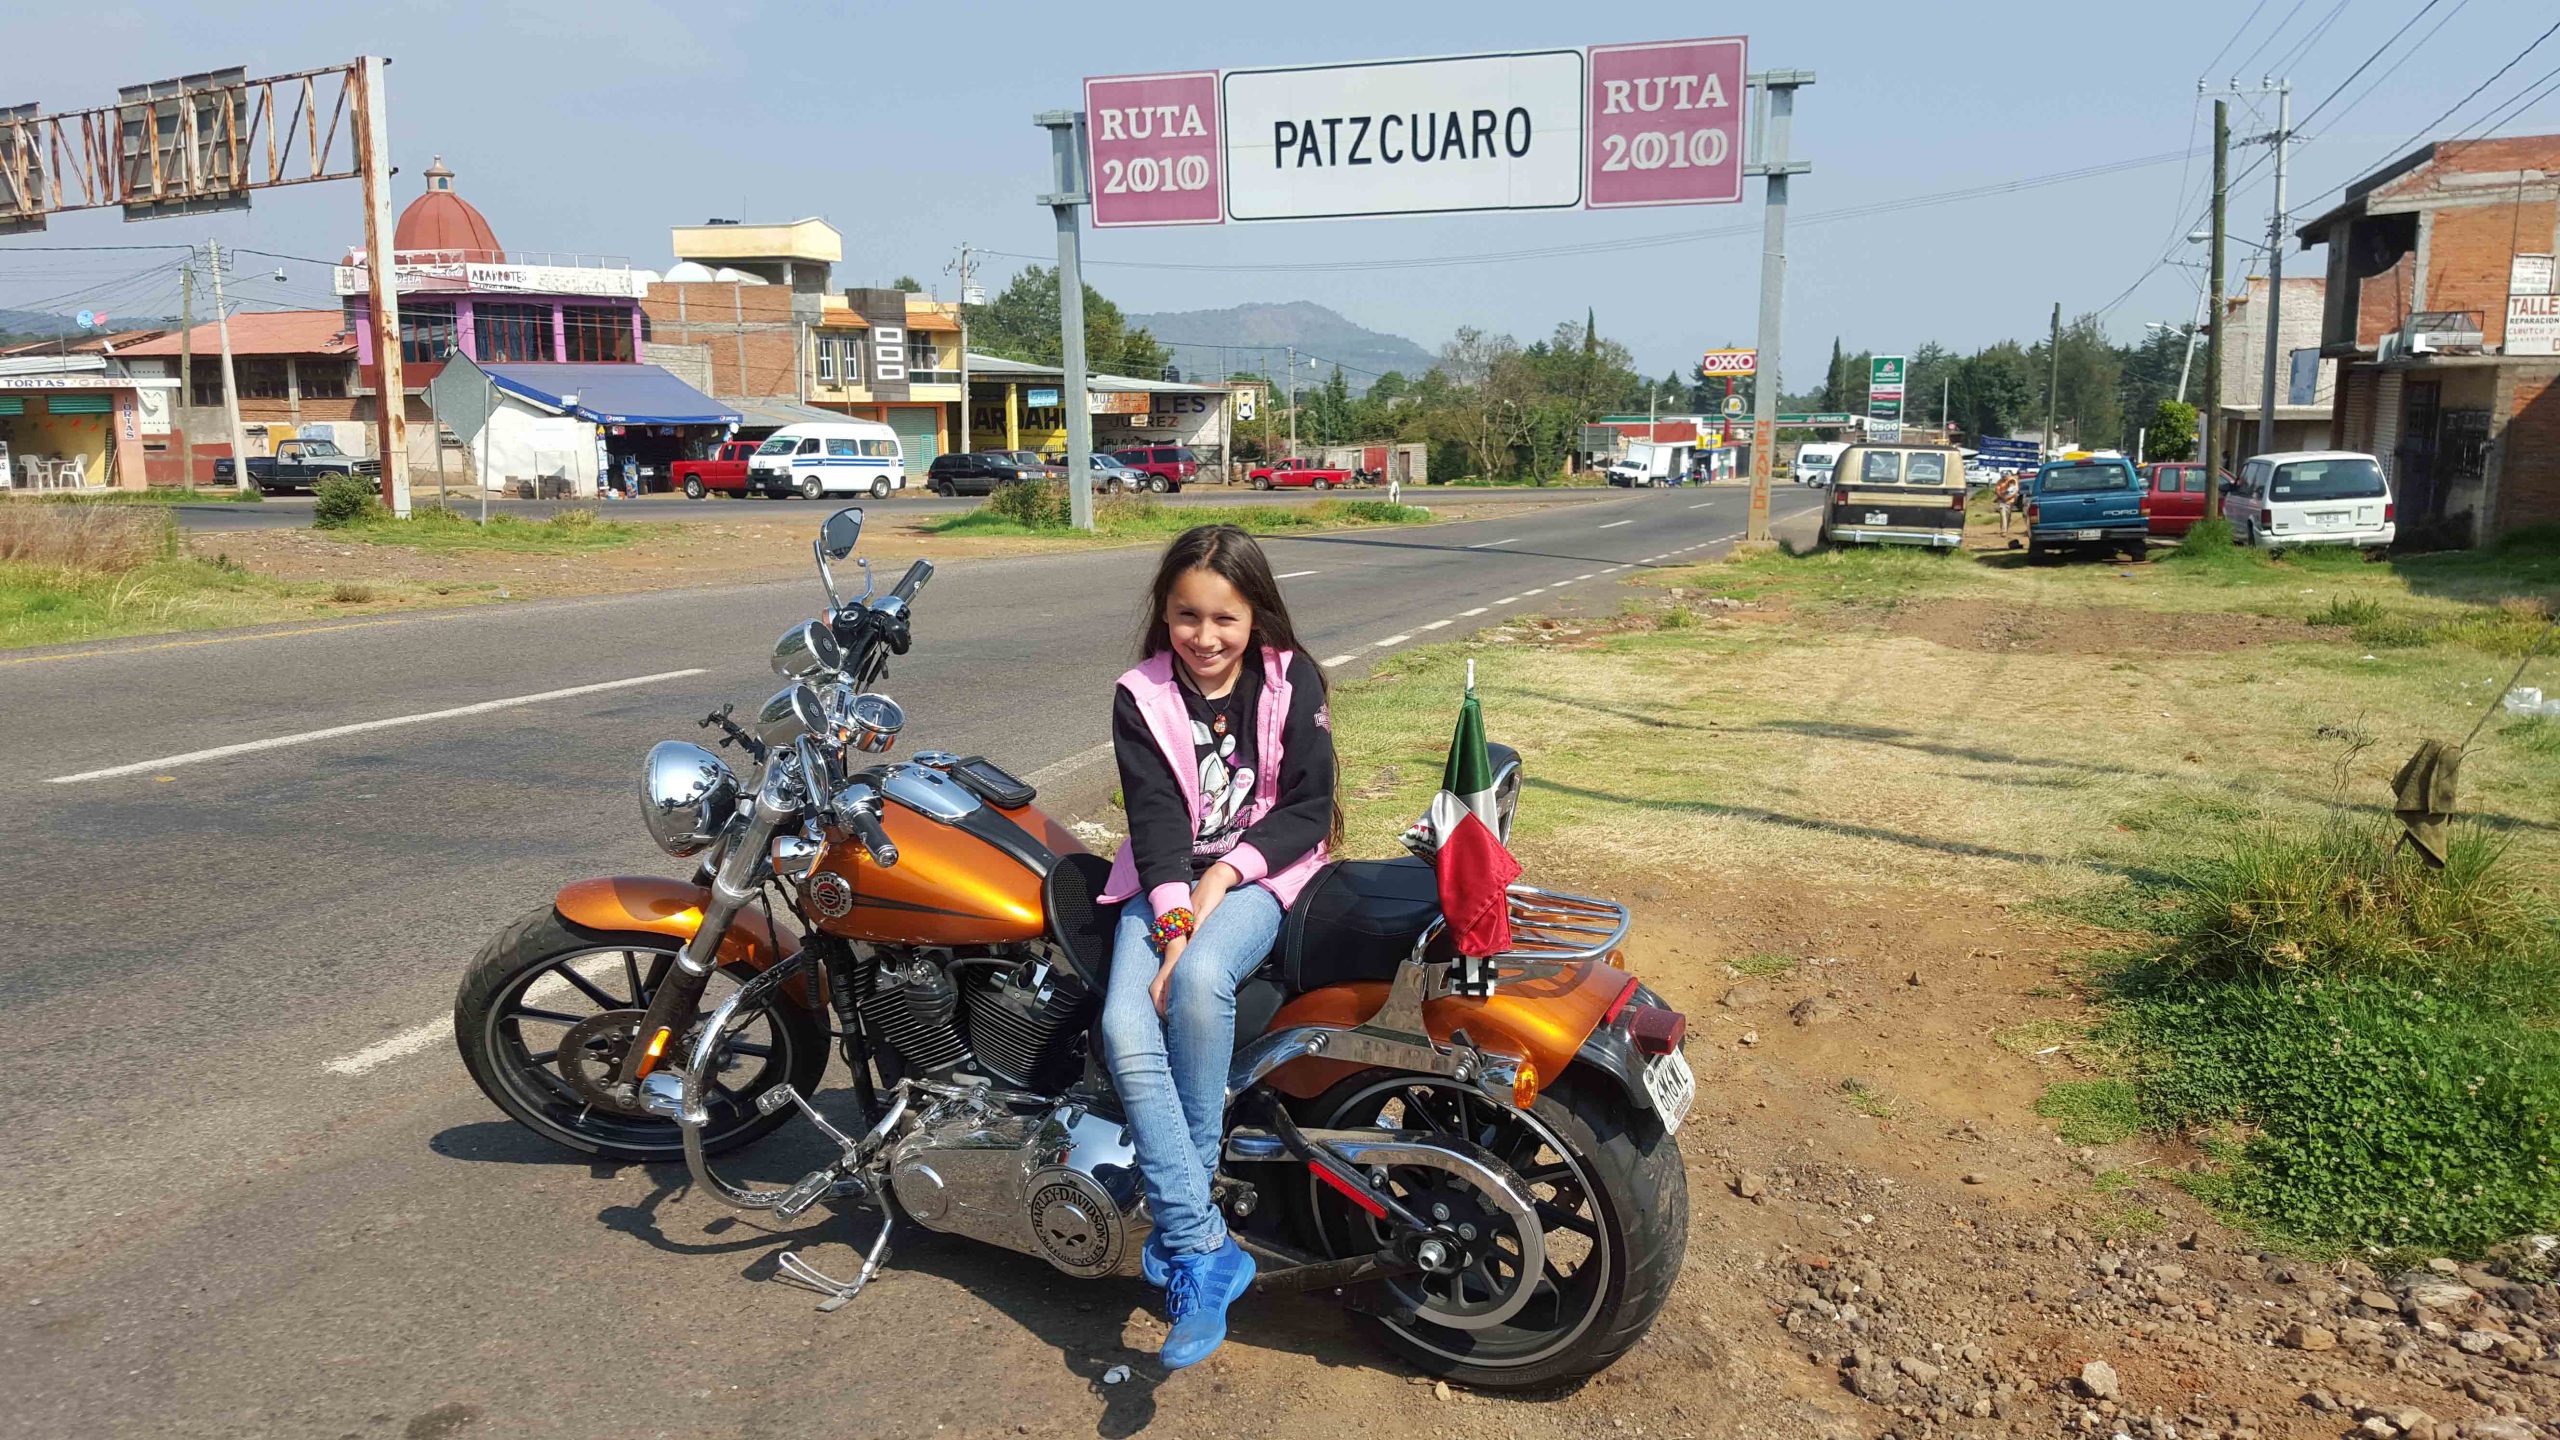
{"x":687,"y":272}
{"x":443,"y":222}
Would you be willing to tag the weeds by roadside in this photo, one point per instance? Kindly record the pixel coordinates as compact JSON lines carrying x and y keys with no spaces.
{"x":434,"y":527}
{"x":161,"y":495}
{"x":1026,"y":509}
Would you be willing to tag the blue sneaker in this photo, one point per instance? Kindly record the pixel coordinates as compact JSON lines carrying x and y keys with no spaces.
{"x":1202,"y":1287}
{"x":1154,"y":1261}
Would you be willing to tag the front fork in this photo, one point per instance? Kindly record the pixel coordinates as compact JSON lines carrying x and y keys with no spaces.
{"x":735,"y":883}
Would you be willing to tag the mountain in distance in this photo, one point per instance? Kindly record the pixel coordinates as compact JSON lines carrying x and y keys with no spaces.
{"x":24,"y":325}
{"x":1249,"y":332}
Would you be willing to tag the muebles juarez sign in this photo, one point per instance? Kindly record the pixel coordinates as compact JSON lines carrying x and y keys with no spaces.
{"x":1610,"y":126}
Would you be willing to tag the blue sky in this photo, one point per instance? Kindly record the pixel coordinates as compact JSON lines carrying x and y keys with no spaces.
{"x":594,"y":128}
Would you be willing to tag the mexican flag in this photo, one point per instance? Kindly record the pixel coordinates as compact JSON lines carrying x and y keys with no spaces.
{"x":1457,"y":836}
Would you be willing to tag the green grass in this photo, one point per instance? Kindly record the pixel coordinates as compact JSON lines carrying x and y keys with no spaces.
{"x":161,"y":495}
{"x":41,"y":605}
{"x":1864,"y":576}
{"x":435,"y":528}
{"x":1764,"y":965}
{"x":2361,"y":610}
{"x":1863,"y":1098}
{"x":2381,"y":1033}
{"x":1140,"y":518}
{"x":2092,"y":1112}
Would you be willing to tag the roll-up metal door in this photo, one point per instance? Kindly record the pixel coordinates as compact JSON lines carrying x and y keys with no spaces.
{"x":916,"y":429}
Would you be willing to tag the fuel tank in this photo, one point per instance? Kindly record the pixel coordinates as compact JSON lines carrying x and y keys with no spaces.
{"x":968,"y":872}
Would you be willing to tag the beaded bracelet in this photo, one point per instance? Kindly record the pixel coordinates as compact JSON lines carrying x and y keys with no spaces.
{"x":1170,"y":926}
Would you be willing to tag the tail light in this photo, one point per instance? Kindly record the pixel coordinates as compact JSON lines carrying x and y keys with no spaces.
{"x":2034,"y":512}
{"x":2142,"y":506}
{"x":2388,"y":511}
{"x":1656,"y":1031}
{"x":1956,"y":501}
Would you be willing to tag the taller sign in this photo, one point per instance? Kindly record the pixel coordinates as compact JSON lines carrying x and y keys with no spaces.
{"x":1611,"y":126}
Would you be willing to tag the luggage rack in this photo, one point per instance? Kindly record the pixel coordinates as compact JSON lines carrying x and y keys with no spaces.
{"x":1557,"y":925}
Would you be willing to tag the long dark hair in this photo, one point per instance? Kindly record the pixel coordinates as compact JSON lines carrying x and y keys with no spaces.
{"x":1227,"y":552}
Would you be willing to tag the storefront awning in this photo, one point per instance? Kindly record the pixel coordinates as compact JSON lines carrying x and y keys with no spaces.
{"x":774,"y":414}
{"x":614,"y":394}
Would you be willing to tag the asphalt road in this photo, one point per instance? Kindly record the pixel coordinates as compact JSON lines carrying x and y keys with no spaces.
{"x":293,"y":512}
{"x":214,"y":1232}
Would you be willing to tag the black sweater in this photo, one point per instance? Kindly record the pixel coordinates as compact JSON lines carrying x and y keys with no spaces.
{"x":1162,"y":830}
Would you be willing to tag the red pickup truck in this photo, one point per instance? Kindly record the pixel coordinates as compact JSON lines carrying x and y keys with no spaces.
{"x":1298,"y":470}
{"x":2176,"y":492}
{"x":725,"y":471}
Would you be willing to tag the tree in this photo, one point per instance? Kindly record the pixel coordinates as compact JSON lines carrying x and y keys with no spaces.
{"x":1832,"y":396}
{"x":1994,"y":387}
{"x":908,"y":283}
{"x":1023,"y":323}
{"x":2173,"y":431}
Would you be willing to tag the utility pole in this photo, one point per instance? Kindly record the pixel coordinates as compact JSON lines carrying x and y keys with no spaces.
{"x":1773,"y":97}
{"x":2280,"y":137}
{"x":391,"y":395}
{"x":186,"y":372}
{"x":2052,"y":381}
{"x":230,"y":388}
{"x":968,"y":283}
{"x":2213,"y":337}
{"x":1066,"y":159}
{"x":1293,"y":402}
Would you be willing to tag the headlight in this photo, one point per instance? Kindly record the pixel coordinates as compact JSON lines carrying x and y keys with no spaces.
{"x":687,"y":795}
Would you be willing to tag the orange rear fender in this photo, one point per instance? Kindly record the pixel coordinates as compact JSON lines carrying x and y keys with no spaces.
{"x":655,"y":905}
{"x":1540,"y":1012}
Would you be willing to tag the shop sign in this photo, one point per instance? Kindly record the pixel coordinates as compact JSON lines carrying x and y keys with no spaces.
{"x":1117,"y":402}
{"x":1041,"y":399}
{"x":1247,"y":401}
{"x":1884,"y":396}
{"x":1731,"y":362}
{"x":2529,"y":275}
{"x":86,"y":382}
{"x":529,"y":279}
{"x":2533,"y":325}
{"x":1659,"y":123}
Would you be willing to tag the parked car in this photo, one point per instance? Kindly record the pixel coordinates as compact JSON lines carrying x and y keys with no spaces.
{"x":979,"y":472}
{"x":297,"y":465}
{"x":1813,"y":461}
{"x":1168,"y":467}
{"x":2093,"y":502}
{"x":1112,"y":477}
{"x":2312,"y":497}
{"x":1297,"y":472}
{"x":1893,"y":494}
{"x":2177,"y":495}
{"x":1648,"y":463}
{"x":723,"y":471}
{"x":847,"y":457}
{"x":1032,"y":464}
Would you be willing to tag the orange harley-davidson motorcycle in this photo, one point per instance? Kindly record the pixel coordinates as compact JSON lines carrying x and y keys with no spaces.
{"x":1476,"y":1152}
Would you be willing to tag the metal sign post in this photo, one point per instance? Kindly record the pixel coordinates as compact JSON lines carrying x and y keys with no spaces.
{"x":1065,"y":201}
{"x":1774,"y":96}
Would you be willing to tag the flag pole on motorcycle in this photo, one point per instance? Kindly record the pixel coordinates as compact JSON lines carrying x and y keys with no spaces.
{"x":1458,"y":836}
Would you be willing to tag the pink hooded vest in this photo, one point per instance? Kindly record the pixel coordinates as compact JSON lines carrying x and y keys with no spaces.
{"x":1159,"y":698}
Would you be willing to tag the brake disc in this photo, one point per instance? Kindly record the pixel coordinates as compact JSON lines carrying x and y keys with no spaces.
{"x":591,"y":1054}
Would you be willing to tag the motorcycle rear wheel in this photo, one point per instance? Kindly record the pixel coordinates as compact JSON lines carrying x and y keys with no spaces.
{"x":1613,"y":1195}
{"x":509,"y":1034}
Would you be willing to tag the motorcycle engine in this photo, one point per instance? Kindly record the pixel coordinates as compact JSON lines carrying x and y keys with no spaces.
{"x":1013,"y":1018}
{"x":1053,"y":1181}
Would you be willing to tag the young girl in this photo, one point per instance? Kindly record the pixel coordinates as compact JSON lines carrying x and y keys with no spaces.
{"x":1226,"y":770}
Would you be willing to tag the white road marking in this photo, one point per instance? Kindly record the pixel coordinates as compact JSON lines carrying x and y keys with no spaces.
{"x":1588,"y":575}
{"x":410,"y":1041}
{"x":1437,"y":625}
{"x":1390,"y":640}
{"x":1508,"y":600}
{"x":1296,"y":575}
{"x":1077,"y":761}
{"x":1338,"y":661}
{"x":1701,"y":505}
{"x":1541,"y":590}
{"x":1489,"y":544}
{"x":1464,"y":614}
{"x":1614,"y":524}
{"x":279,"y":742}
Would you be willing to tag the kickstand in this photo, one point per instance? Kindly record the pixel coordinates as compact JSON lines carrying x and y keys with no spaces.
{"x":792,"y":1268}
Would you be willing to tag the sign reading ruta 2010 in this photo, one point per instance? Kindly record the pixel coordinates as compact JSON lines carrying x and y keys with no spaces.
{"x":1605,"y":127}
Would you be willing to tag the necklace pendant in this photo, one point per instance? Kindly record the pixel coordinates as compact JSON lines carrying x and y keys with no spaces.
{"x":1218,"y":723}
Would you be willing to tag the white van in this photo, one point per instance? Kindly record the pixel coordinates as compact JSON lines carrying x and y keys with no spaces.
{"x":2312,"y":497}
{"x":839,"y":457}
{"x":1814,"y":462}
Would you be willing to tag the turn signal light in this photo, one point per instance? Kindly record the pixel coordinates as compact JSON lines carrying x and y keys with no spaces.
{"x":657,"y":1047}
{"x":1524,"y":1086}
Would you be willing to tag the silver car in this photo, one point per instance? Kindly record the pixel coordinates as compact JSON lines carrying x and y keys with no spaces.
{"x":1110,"y":477}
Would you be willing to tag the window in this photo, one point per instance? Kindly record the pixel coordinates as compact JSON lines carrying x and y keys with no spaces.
{"x":840,"y":447}
{"x":826,"y":359}
{"x":1924,"y":467}
{"x":207,"y":391}
{"x":1880,"y":467}
{"x":920,"y":355}
{"x":513,"y":332}
{"x":2084,"y":479}
{"x":2195,"y":480}
{"x":261,"y":378}
{"x":2350,"y":479}
{"x":597,"y":333}
{"x":880,"y":448}
{"x":809,"y":446}
{"x":426,"y":331}
{"x":322,"y":379}
{"x":851,"y":345}
{"x":778,"y":445}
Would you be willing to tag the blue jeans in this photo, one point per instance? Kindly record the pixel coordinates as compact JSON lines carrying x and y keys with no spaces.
{"x":1171,"y":1069}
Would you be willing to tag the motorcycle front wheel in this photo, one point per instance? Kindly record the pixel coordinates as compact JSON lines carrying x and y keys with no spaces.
{"x":541,"y":979}
{"x":1612,"y":1197}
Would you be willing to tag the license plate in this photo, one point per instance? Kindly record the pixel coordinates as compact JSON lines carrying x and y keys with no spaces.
{"x":1668,"y":1079}
{"x":2330,"y":520}
{"x":1877,"y":517}
{"x":2086,"y":534}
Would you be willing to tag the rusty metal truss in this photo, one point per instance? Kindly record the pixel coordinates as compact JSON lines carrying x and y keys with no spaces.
{"x":190,"y":145}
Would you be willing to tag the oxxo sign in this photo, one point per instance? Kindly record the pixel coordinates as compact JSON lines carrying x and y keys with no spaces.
{"x":1606,"y":127}
{"x":1730,"y":362}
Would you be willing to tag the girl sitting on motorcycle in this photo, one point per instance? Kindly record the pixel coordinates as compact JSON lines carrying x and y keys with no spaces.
{"x":1227,"y":775}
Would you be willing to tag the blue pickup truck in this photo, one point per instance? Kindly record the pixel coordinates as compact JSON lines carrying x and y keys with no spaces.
{"x":2091,"y":503}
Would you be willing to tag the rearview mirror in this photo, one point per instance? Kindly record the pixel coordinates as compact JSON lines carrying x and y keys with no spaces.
{"x":836,"y":538}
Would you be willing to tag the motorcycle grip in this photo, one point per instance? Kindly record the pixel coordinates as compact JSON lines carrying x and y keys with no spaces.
{"x":866,"y":828}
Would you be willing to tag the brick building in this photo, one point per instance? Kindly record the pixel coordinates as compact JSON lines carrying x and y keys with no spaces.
{"x":2428,"y":258}
{"x":295,"y":368}
{"x":2303,"y":401}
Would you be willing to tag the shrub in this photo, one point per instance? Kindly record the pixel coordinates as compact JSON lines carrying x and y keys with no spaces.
{"x":1034,"y":505}
{"x":109,"y":539}
{"x":2394,"y":632}
{"x":339,"y":501}
{"x":2358,"y":611}
{"x":2512,"y":629}
{"x":348,"y":592}
{"x":2211,"y":533}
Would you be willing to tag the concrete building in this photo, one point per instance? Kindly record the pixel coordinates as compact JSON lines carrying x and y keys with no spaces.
{"x":297,"y":375}
{"x":2306,"y":383}
{"x":1016,"y":405}
{"x":2442,"y":318}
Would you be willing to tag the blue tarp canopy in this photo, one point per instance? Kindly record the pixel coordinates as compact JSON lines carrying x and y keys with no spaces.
{"x":614,"y":394}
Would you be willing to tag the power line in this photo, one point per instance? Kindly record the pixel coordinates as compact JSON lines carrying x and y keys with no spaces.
{"x":2394,"y":67}
{"x":2369,"y":59}
{"x":2270,"y":36}
{"x":2245,"y":22}
{"x":2298,"y":53}
{"x":2512,"y":62}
